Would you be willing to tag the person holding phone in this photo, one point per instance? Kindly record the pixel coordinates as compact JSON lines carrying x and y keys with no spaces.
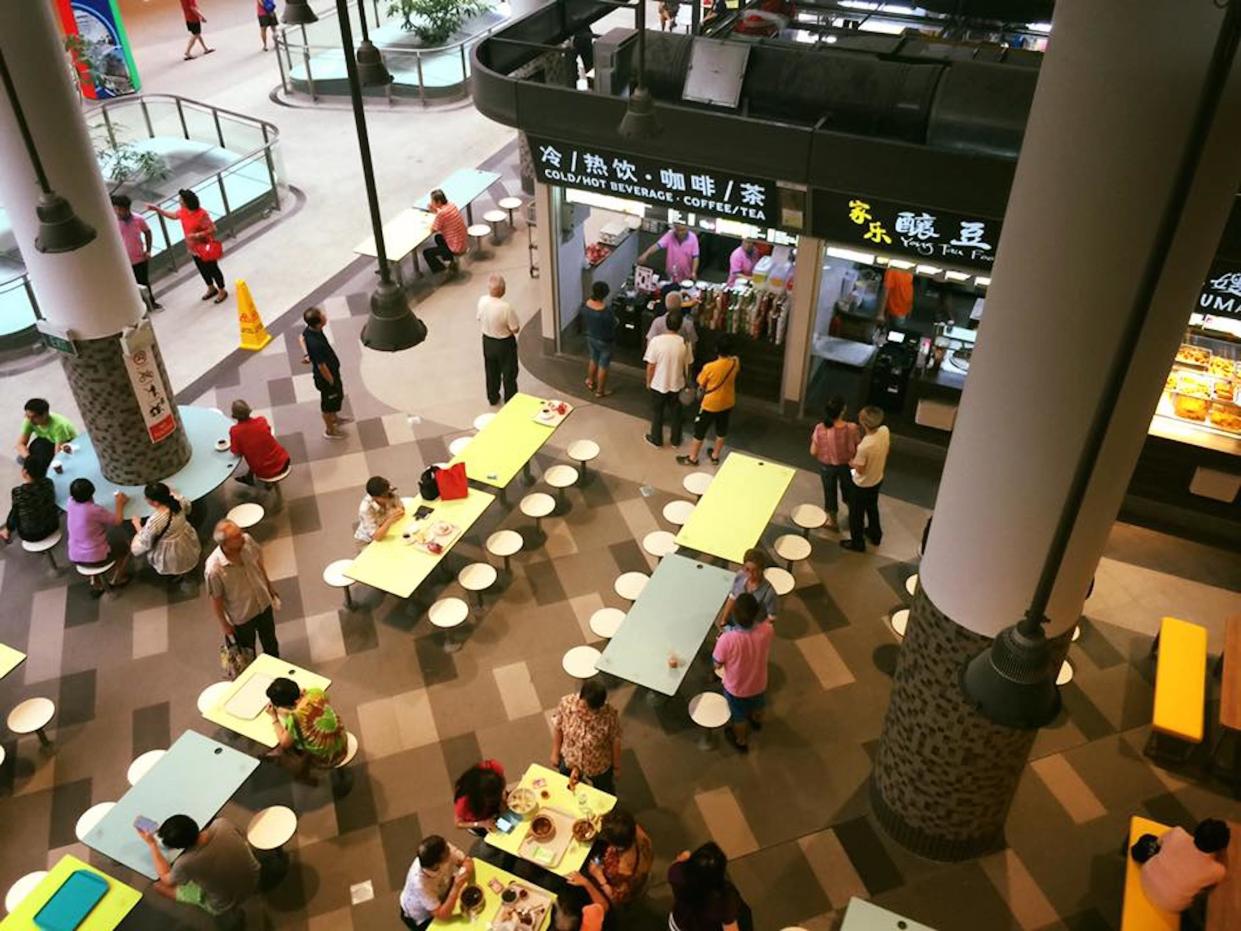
{"x":479,"y":796}
{"x":381,"y":507}
{"x":434,"y":883}
{"x":216,"y":870}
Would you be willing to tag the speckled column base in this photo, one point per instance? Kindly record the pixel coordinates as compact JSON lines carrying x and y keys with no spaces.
{"x":944,"y":775}
{"x":111,"y":415}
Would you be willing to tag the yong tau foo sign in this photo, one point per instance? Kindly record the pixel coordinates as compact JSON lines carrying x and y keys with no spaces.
{"x":695,"y":190}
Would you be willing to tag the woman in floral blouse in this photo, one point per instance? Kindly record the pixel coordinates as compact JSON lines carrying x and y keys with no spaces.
{"x":587,"y":739}
{"x":622,"y":869}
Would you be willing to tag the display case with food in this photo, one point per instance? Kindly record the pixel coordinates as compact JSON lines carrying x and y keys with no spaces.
{"x":1202,"y":392}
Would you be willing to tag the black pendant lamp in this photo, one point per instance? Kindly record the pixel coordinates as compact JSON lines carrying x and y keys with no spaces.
{"x":60,"y":229}
{"x":371,"y":69}
{"x":639,"y":121}
{"x":1013,"y":682}
{"x":298,"y":13}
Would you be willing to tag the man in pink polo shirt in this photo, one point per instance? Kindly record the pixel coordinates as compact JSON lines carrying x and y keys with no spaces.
{"x":742,"y":654}
{"x":680,"y":253}
{"x":136,"y":236}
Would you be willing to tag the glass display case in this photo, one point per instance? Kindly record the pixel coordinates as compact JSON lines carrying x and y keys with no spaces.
{"x":1201,"y":401}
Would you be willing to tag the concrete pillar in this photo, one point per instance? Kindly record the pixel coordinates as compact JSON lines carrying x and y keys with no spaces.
{"x":90,"y":291}
{"x":1086,"y":241}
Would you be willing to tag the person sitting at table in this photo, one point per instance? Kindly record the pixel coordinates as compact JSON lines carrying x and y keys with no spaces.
{"x":478,"y":797}
{"x":308,"y":730}
{"x":586,"y":740}
{"x":625,"y":863}
{"x":750,"y":578}
{"x":580,"y":907}
{"x":166,"y":537}
{"x":42,"y":422}
{"x":216,"y":870}
{"x":742,"y":655}
{"x":1177,"y":866}
{"x":434,"y":883}
{"x":381,"y":507}
{"x":251,"y":439}
{"x":451,"y":236}
{"x":88,"y":524}
{"x":33,"y":515}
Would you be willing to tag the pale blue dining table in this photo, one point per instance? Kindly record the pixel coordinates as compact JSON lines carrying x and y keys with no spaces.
{"x":671,"y":617}
{"x":463,"y":187}
{"x":866,"y":916}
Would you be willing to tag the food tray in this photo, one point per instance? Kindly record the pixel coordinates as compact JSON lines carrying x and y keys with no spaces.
{"x":430,"y":532}
{"x":552,"y":418}
{"x":548,"y":855}
{"x":534,"y":907}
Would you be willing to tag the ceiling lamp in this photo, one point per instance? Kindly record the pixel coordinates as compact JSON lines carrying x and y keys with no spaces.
{"x":298,"y":13}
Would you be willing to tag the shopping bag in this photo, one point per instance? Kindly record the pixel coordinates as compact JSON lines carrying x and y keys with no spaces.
{"x":428,"y":488}
{"x":234,"y":658}
{"x":212,"y":251}
{"x":452,"y":482}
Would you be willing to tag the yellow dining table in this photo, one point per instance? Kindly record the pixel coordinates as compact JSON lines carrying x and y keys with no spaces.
{"x":497,"y":452}
{"x":107,"y":914}
{"x":260,"y":728}
{"x":484,"y":873}
{"x":539,"y":779}
{"x":10,"y":659}
{"x":398,"y":567}
{"x":730,"y":518}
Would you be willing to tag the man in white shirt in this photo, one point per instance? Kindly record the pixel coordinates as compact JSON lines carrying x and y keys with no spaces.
{"x":868,"y":465}
{"x":667,"y":361}
{"x":499,"y":324}
{"x":434,"y":883}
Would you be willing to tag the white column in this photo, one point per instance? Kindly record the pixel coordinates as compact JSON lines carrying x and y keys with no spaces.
{"x":1110,"y":123}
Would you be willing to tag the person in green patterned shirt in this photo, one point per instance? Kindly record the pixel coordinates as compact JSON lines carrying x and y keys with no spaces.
{"x":307,"y":727}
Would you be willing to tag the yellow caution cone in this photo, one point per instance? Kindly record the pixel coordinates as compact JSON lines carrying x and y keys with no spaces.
{"x":253,"y":334}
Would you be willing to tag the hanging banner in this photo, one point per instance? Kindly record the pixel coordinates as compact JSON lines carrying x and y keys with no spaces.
{"x":96,"y":41}
{"x":154,"y":399}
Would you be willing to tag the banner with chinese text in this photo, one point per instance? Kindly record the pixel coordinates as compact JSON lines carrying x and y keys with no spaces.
{"x":668,"y":184}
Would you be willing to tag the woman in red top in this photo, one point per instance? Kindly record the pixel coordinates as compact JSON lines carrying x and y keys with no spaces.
{"x":478,"y":797}
{"x":200,"y":240}
{"x":834,"y":443}
{"x":252,"y":440}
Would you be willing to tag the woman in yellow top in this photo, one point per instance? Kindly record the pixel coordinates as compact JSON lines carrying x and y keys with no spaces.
{"x":717,"y":386}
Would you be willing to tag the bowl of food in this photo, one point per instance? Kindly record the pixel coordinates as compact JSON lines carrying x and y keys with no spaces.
{"x":222,"y":445}
{"x":542,"y":828}
{"x":584,"y":830}
{"x":471,"y":900}
{"x":442,"y":529}
{"x":521,"y":801}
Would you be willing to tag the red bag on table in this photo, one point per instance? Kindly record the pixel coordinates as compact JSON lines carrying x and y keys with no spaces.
{"x":452,"y":482}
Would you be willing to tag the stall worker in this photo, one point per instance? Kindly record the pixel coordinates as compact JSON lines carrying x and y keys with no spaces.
{"x":741,"y":262}
{"x":680,"y":253}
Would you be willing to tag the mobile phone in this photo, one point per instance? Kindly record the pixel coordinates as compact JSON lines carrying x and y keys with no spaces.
{"x":507,"y":821}
{"x":143,"y":823}
{"x":495,"y":885}
{"x":422,"y":512}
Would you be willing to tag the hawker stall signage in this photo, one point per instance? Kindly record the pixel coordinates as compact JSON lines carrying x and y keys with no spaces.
{"x":696,"y":190}
{"x":899,"y":229}
{"x":1221,"y":294}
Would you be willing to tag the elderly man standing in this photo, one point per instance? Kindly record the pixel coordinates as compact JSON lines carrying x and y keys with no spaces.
{"x":659,"y":326}
{"x":667,"y":361}
{"x":240,"y":590}
{"x":499,"y":324}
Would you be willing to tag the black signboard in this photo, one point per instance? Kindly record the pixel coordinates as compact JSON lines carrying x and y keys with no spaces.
{"x":668,"y":184}
{"x":1221,"y":292}
{"x":900,"y":229}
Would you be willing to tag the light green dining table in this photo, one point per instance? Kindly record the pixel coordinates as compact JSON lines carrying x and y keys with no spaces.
{"x":398,"y":567}
{"x":260,"y":728}
{"x":10,"y":659}
{"x":730,"y":518}
{"x":107,"y":914}
{"x":484,"y":873}
{"x":497,"y":452}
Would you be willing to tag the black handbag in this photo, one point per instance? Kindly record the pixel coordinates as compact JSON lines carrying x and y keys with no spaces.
{"x":428,"y":488}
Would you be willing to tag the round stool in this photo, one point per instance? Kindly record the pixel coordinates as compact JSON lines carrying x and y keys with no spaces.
{"x":792,"y":548}
{"x":678,"y":512}
{"x":212,"y":695}
{"x":697,"y":483}
{"x":447,"y":613}
{"x":94,"y":572}
{"x":457,"y":446}
{"x":483,"y":419}
{"x":561,"y":477}
{"x":31,"y":717}
{"x":46,"y":545}
{"x":505,"y":543}
{"x":271,"y":828}
{"x":334,"y":576}
{"x":1077,"y":633}
{"x":709,"y":710}
{"x":809,"y":517}
{"x":351,"y":750}
{"x":659,"y":543}
{"x":22,"y":888}
{"x":91,"y":817}
{"x":495,"y":218}
{"x":629,"y":585}
{"x":899,"y":621}
{"x":477,"y":577}
{"x":246,"y":515}
{"x":477,"y":233}
{"x":606,"y":622}
{"x":142,"y":765}
{"x":911,"y":584}
{"x":579,"y":662}
{"x":537,"y":505}
{"x":1065,"y":675}
{"x":582,"y":452}
{"x":781,"y":580}
{"x":508,"y":205}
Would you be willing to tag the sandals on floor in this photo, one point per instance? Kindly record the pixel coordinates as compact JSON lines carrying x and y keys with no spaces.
{"x":221,"y":297}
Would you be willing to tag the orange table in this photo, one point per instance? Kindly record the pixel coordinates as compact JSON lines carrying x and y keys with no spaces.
{"x":1224,"y":903}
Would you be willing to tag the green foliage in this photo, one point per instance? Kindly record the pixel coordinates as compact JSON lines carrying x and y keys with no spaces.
{"x":122,"y":162}
{"x":434,"y":21}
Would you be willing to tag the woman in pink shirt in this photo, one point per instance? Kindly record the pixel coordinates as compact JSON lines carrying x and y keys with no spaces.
{"x":88,"y":524}
{"x":200,"y":240}
{"x":834,"y":443}
{"x":742,"y":655}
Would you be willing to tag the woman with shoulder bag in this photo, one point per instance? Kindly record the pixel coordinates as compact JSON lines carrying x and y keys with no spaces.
{"x":717,"y":390}
{"x":200,"y":240}
{"x":167,"y":538}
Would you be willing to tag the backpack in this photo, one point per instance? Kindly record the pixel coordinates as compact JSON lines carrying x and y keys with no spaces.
{"x":428,"y":487}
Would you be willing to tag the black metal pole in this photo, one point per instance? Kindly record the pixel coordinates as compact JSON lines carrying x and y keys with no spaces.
{"x":1208,"y":106}
{"x":364,"y":143}
{"x":16,"y":104}
{"x":362,"y":19}
{"x":641,"y":27}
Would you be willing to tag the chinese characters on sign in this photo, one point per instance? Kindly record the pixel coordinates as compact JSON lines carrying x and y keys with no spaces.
{"x":900,"y":229}
{"x":752,"y":200}
{"x":151,"y":392}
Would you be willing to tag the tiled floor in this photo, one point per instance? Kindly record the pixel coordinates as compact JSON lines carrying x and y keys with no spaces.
{"x":793,"y":815}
